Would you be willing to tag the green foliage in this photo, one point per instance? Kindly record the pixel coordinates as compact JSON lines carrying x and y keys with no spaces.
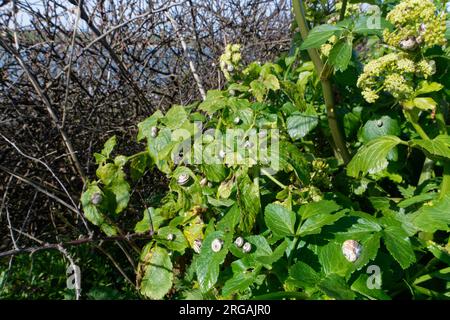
{"x":310,"y":227}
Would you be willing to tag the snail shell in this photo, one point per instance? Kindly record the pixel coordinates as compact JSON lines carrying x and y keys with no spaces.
{"x":183,"y":179}
{"x":96,"y":198}
{"x":351,"y":250}
{"x":409,"y":44}
{"x":203,"y":182}
{"x":197,"y":245}
{"x":237,"y":120}
{"x":154,"y":132}
{"x":221,"y":154}
{"x":247,"y":247}
{"x":216,"y":245}
{"x":170,"y":237}
{"x":239,"y":241}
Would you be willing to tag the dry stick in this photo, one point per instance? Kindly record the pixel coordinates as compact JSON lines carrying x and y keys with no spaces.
{"x":37,"y":87}
{"x":123,"y":70}
{"x":54,"y":176}
{"x":186,"y":53}
{"x":116,"y":264}
{"x":69,"y":64}
{"x":77,"y":242}
{"x":61,"y":249}
{"x":40,"y":189}
{"x":128,"y":21}
{"x":323,"y":71}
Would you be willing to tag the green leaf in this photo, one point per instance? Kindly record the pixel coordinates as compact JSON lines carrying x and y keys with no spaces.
{"x":175,"y":117}
{"x":303,"y":275}
{"x":300,"y":124}
{"x":434,"y":217}
{"x":398,"y":244}
{"x":208,"y":263}
{"x":121,"y":190}
{"x":277,"y":254}
{"x":425,"y":103}
{"x":383,"y":126}
{"x":319,"y":35}
{"x":145,"y":127}
{"x":230,"y":220}
{"x":151,"y":218}
{"x":178,"y":243}
{"x":279,"y":220}
{"x":92,"y":212}
{"x":215,"y":101}
{"x":249,"y":202}
{"x":315,"y":223}
{"x":324,"y":206}
{"x":371,"y":158}
{"x":259,"y":90}
{"x":335,"y":287}
{"x":442,"y":253}
{"x":439,"y":146}
{"x":332,"y":259}
{"x":271,"y":82}
{"x":238,"y":283}
{"x":138,"y":165}
{"x":368,"y":25}
{"x":107,"y":173}
{"x":447,"y":30}
{"x":109,"y":146}
{"x":360,"y":286}
{"x":341,"y":54}
{"x":158,"y":275}
{"x":215,"y":172}
{"x":428,"y":87}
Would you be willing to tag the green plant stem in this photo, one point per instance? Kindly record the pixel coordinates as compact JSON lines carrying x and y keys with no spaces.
{"x":264,"y":171}
{"x":323,"y":71}
{"x":445,"y":186}
{"x":412,"y":117}
{"x":291,"y":254}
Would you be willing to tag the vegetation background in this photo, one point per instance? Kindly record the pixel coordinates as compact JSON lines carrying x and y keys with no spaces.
{"x":88,"y":74}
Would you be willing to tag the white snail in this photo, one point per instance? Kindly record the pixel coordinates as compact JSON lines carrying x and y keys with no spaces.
{"x":239,"y":241}
{"x":247,"y":247}
{"x":237,"y":120}
{"x":197,"y":245}
{"x":183,"y":179}
{"x":221,"y":154}
{"x":351,"y":250}
{"x":216,"y":245}
{"x":170,"y":237}
{"x":408,"y":44}
{"x":96,"y":198}
{"x":248,"y":145}
{"x":154,"y":132}
{"x":203,"y":182}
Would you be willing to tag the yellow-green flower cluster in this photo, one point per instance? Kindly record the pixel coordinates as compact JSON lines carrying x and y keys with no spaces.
{"x":393,"y":73}
{"x":417,"y":23}
{"x":326,"y":48}
{"x":231,"y":59}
